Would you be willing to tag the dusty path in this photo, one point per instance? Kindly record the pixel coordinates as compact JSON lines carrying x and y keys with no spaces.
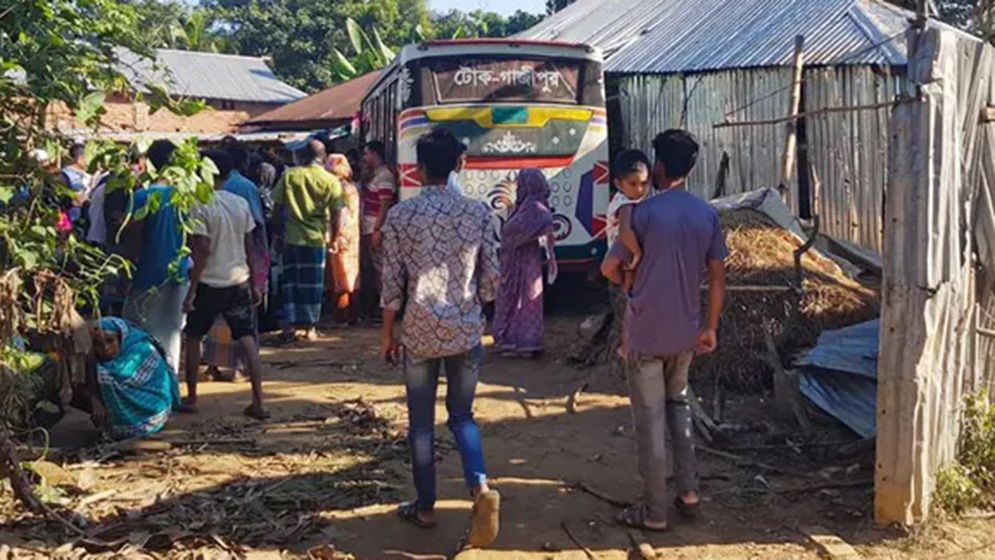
{"x":331,"y":465}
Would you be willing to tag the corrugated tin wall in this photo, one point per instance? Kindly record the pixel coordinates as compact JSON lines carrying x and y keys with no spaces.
{"x":942,"y":169}
{"x":849,"y":151}
{"x":846,"y":150}
{"x":651,"y":104}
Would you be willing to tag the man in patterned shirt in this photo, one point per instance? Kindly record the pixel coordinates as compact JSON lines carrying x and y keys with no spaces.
{"x":440,"y":267}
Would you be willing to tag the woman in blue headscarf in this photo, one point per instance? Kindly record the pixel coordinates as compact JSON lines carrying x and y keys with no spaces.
{"x":136,"y":387}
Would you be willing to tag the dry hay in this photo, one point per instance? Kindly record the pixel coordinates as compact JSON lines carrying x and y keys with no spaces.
{"x":762,"y":254}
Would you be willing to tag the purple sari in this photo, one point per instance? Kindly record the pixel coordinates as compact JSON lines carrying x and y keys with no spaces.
{"x":518,"y":320}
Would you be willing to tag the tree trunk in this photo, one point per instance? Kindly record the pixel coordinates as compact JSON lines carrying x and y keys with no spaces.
{"x":10,"y":467}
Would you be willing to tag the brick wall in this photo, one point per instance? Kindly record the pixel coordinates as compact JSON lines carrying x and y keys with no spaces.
{"x":124,"y":115}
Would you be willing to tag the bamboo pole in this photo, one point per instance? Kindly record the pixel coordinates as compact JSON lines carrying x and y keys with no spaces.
{"x":791,"y":137}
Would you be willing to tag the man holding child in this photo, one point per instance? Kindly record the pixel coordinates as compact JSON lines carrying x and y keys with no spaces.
{"x":681,"y":244}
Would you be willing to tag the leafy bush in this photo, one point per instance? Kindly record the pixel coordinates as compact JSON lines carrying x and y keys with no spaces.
{"x":65,"y":54}
{"x":970,"y":483}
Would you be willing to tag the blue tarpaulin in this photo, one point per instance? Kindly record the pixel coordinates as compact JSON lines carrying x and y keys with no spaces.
{"x":840,"y":374}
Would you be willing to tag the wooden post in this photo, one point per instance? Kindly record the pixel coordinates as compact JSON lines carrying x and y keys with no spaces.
{"x":816,"y":190}
{"x":791,"y":139}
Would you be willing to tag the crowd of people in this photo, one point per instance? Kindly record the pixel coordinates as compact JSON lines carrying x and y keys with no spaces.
{"x":277,"y":243}
{"x":296,"y":240}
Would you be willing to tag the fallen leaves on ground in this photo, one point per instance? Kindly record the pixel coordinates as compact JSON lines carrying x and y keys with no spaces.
{"x":224,"y":489}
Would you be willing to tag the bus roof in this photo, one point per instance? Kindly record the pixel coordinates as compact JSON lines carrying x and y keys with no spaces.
{"x":498,"y":40}
{"x":487,"y":46}
{"x":479,"y":46}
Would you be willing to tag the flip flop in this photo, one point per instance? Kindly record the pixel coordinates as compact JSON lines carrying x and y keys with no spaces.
{"x":258,"y":413}
{"x":686,"y":509}
{"x":184,"y":408}
{"x":635,"y":518}
{"x":486,"y":519}
{"x":286,"y":338}
{"x":408,"y":511}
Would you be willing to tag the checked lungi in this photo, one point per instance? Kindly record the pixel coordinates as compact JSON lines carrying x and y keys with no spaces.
{"x":303,"y":281}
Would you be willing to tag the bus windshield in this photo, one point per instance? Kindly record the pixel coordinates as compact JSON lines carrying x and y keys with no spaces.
{"x":505,"y":79}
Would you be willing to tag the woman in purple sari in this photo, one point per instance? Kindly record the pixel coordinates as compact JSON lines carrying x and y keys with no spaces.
{"x":518,"y":320}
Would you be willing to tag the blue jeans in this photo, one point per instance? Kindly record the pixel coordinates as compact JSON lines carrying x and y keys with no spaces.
{"x":421,"y":380}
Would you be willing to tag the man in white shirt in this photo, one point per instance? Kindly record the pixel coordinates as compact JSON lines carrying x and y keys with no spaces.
{"x":220,"y":282}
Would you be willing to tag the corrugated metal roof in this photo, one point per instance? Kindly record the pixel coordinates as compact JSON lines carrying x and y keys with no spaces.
{"x":668,"y":36}
{"x":208,"y":76}
{"x":336,"y":103}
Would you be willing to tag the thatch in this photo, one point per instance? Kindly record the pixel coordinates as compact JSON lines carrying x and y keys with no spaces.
{"x":762,"y":254}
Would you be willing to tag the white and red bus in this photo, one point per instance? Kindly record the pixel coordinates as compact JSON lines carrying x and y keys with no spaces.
{"x":515,"y":104}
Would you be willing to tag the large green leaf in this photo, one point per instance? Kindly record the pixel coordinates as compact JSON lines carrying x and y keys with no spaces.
{"x":28,"y":258}
{"x":385,"y":52}
{"x":356,"y":35}
{"x":342,"y":66}
{"x":90,"y":106}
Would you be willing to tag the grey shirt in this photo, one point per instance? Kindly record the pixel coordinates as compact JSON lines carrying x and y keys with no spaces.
{"x":679,"y":234}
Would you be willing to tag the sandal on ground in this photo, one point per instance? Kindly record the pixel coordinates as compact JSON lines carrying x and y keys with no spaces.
{"x":635,"y":518}
{"x":486,"y":519}
{"x":257,"y":412}
{"x":184,"y":408}
{"x":686,"y":509}
{"x":212,"y":373}
{"x":286,"y":338}
{"x":235,"y":376}
{"x":408,"y":511}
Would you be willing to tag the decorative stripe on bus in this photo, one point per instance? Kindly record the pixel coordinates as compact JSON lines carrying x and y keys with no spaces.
{"x":414,"y":122}
{"x":410,"y":176}
{"x":517,"y":163}
{"x":484,"y":116}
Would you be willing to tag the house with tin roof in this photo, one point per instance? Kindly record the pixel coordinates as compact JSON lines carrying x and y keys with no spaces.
{"x":723,"y":69}
{"x":235,"y":88}
{"x":330,"y":108}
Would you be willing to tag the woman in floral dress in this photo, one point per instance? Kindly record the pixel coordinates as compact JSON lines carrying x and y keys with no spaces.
{"x":342,"y":273}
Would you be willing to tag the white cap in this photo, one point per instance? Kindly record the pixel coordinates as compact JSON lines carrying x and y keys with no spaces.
{"x":40,"y":156}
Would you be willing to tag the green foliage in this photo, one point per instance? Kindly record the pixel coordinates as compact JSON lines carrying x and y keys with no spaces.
{"x":553,"y":6}
{"x":302,"y":36}
{"x":174,"y":25}
{"x":193,"y":33}
{"x":368,"y":54}
{"x":456,"y":24}
{"x":315,"y":43}
{"x":63,"y":53}
{"x":970,"y":483}
{"x":973,"y":16}
{"x":956,"y":492}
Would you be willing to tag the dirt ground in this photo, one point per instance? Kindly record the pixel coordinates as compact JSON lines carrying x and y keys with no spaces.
{"x":330,"y":467}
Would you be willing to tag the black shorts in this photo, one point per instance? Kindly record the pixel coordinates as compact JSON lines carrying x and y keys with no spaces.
{"x":233,"y":303}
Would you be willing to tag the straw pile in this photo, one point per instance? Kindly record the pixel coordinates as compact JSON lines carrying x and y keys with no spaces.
{"x":762,"y":254}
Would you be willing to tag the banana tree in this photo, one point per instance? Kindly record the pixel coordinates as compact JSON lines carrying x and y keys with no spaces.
{"x":193,"y":33}
{"x":369,"y":54}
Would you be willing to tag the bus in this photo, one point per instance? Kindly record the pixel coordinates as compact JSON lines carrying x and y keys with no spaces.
{"x":515,"y":105}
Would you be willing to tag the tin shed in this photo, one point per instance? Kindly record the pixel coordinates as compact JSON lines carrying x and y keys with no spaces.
{"x":729,"y":62}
